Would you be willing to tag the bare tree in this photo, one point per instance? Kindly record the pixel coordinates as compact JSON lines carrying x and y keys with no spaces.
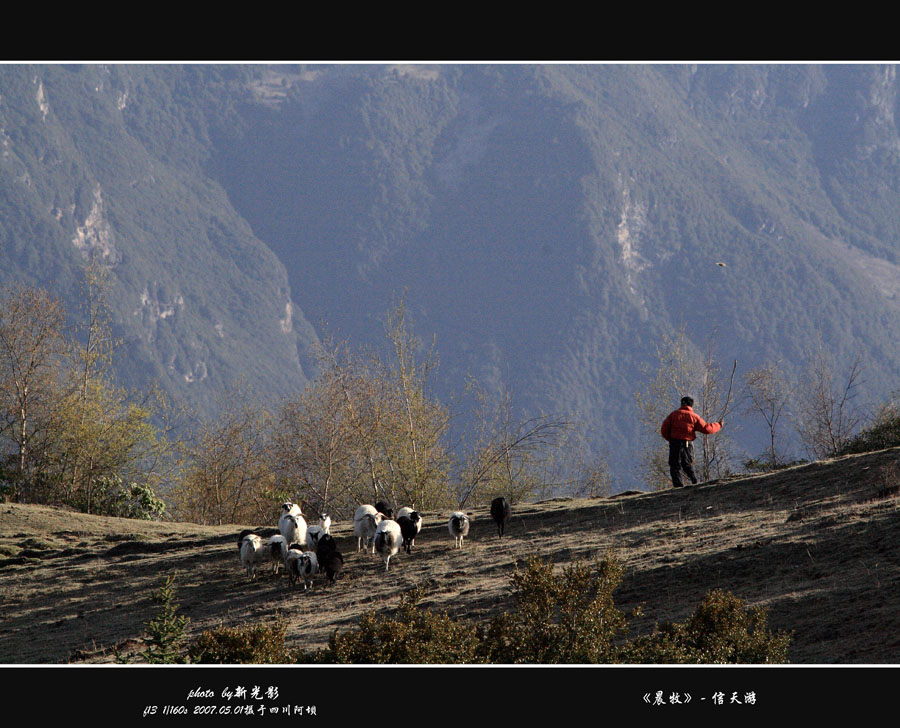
{"x":768,"y":394}
{"x":826,"y":415}
{"x":313,"y":449}
{"x":681,"y":371}
{"x":31,"y":345}
{"x":226,"y":473}
{"x":415,"y":441}
{"x":714,"y":461}
{"x":507,"y":456}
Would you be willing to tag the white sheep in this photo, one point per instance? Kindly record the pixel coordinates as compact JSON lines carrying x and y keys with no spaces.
{"x":252,"y":554}
{"x":459,"y":527}
{"x":240,"y":538}
{"x":277,"y":547}
{"x":293,"y":528}
{"x":301,"y":565}
{"x":365,"y":523}
{"x":291,"y":509}
{"x":325,"y":522}
{"x":387,"y":540}
{"x":313,"y":534}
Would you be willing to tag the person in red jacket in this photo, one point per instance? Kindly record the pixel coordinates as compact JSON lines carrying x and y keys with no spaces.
{"x":680,"y":429}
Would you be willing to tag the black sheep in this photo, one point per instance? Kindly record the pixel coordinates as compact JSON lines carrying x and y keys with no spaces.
{"x":409,"y":529}
{"x":330,"y":559}
{"x":500,"y":513}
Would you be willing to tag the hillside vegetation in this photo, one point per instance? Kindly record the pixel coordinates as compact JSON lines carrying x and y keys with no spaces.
{"x":815,"y":545}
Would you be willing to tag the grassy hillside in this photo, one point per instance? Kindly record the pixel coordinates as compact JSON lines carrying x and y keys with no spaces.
{"x":816,"y":545}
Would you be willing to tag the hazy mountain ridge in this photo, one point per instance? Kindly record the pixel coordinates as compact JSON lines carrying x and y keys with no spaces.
{"x":548,"y":223}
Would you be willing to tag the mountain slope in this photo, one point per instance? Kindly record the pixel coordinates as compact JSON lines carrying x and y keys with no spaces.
{"x":106,"y":163}
{"x":548,"y":224}
{"x":816,"y":545}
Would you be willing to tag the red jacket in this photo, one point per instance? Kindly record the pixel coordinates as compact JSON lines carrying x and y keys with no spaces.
{"x":683,"y":424}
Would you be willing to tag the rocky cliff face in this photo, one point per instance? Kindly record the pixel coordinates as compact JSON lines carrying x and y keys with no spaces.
{"x":196,"y":295}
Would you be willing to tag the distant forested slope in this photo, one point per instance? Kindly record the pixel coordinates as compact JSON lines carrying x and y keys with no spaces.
{"x":550,"y":225}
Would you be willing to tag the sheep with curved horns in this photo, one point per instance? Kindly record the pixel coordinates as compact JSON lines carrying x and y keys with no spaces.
{"x":301,"y":565}
{"x":253,"y":554}
{"x":387,"y":540}
{"x":365,"y":523}
{"x":293,"y":528}
{"x":277,"y":548}
{"x":458,"y":527}
{"x":500,"y":513}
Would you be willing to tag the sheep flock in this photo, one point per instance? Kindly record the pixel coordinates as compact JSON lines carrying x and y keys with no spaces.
{"x":308,"y":552}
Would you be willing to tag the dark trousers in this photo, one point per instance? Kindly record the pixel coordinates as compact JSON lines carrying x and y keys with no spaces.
{"x":681,"y":457}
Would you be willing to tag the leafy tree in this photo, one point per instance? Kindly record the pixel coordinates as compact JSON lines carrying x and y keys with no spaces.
{"x":365,"y":399}
{"x":102,"y":433}
{"x":365,"y":429}
{"x":418,"y":423}
{"x":312,"y":445}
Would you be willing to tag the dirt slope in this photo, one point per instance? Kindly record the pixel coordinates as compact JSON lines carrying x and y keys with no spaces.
{"x":817,"y":545}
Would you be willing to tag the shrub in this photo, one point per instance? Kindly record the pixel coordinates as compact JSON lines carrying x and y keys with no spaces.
{"x":246,"y":644}
{"x":884,"y":432}
{"x":566,"y":617}
{"x":558,"y":618}
{"x":111,"y":496}
{"x":721,"y":630}
{"x":887,"y":480}
{"x":413,"y":636}
{"x":879,"y":436}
